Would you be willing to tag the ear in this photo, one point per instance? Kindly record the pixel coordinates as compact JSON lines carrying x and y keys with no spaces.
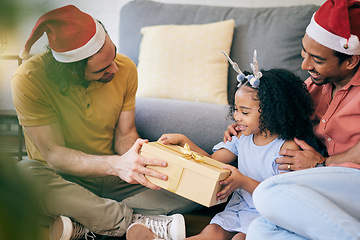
{"x":352,"y":62}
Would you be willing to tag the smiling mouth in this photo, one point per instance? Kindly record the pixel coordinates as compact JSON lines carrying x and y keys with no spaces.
{"x":314,"y":75}
{"x":242,"y":127}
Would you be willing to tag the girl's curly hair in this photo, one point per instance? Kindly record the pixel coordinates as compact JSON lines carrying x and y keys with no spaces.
{"x":285,"y":105}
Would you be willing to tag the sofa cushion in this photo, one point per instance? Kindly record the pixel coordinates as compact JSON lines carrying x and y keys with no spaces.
{"x":185,"y":61}
{"x":276,"y":33}
{"x":203,"y":123}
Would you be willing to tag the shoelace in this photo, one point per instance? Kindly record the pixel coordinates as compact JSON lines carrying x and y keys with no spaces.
{"x":159,"y":227}
{"x":90,"y":235}
{"x":79,"y":231}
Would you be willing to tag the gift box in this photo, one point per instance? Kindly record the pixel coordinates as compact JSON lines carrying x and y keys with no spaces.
{"x":190,"y":175}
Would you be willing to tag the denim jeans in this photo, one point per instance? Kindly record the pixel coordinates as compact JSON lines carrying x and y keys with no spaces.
{"x":104,"y":205}
{"x":318,"y":203}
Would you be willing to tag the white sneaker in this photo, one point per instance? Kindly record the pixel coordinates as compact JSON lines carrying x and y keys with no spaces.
{"x":62,"y":228}
{"x":156,"y":227}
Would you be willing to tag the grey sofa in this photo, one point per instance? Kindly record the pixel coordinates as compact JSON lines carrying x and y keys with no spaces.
{"x":276,"y":33}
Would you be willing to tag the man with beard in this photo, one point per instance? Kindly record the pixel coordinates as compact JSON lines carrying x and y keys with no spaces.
{"x":76,"y":103}
{"x":321,"y":202}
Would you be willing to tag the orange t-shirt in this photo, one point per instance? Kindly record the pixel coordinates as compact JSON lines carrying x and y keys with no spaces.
{"x":87,"y":116}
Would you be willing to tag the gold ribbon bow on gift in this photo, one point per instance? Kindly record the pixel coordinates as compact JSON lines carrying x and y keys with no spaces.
{"x":190,"y":154}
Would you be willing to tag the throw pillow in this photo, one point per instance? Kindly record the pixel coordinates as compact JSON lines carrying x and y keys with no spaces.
{"x":185,"y":62}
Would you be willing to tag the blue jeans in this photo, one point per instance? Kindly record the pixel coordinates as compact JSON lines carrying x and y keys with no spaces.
{"x":318,"y":203}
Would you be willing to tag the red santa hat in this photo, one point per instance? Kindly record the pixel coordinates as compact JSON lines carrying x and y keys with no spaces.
{"x":73,"y":35}
{"x":336,"y":25}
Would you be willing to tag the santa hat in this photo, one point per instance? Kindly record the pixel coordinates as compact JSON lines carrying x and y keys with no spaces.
{"x":336,"y":25}
{"x":73,"y":35}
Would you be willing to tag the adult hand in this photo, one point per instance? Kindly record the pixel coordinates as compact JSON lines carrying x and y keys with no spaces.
{"x":131,"y":167}
{"x":231,"y":183}
{"x":233,"y":130}
{"x":308,"y":157}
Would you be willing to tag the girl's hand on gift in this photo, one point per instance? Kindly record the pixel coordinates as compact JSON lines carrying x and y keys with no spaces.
{"x":180,"y":139}
{"x":234,"y":181}
{"x":173,"y":138}
{"x":231,"y":183}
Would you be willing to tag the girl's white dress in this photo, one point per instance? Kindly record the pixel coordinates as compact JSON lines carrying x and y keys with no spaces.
{"x":256,"y":162}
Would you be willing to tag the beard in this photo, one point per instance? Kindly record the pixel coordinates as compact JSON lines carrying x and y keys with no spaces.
{"x":321,"y":82}
{"x":106,"y":79}
{"x":318,"y":81}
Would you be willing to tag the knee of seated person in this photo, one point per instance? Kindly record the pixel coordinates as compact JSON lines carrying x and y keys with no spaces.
{"x":265,"y":197}
{"x":270,"y":195}
{"x":31,"y":168}
{"x":29,"y":165}
{"x":25,"y":165}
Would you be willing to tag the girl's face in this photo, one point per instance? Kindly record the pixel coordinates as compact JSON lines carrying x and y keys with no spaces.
{"x":247,"y":110}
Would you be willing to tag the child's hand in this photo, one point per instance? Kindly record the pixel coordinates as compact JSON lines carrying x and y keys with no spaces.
{"x":231,"y":183}
{"x":172,"y":138}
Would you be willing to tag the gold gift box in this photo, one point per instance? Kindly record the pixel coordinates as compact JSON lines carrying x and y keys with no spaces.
{"x":190,"y":175}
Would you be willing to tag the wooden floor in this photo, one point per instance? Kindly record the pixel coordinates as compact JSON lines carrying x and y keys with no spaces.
{"x":195,"y":223}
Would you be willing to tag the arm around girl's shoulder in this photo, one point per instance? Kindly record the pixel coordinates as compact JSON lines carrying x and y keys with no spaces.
{"x":290,"y":144}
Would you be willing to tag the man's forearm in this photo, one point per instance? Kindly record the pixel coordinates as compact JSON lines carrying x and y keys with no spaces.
{"x":124,"y":143}
{"x":351,"y":155}
{"x":68,"y":161}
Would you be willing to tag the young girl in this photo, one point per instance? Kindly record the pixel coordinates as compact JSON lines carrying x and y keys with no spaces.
{"x":271,"y":108}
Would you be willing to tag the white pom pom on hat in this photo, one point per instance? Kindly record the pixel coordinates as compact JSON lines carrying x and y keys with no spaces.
{"x":24,"y":54}
{"x":336,"y":25}
{"x":73,"y":35}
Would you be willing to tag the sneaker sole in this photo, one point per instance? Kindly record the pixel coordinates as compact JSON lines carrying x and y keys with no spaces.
{"x":177,"y":229}
{"x":137,"y":231}
{"x":61,"y":229}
